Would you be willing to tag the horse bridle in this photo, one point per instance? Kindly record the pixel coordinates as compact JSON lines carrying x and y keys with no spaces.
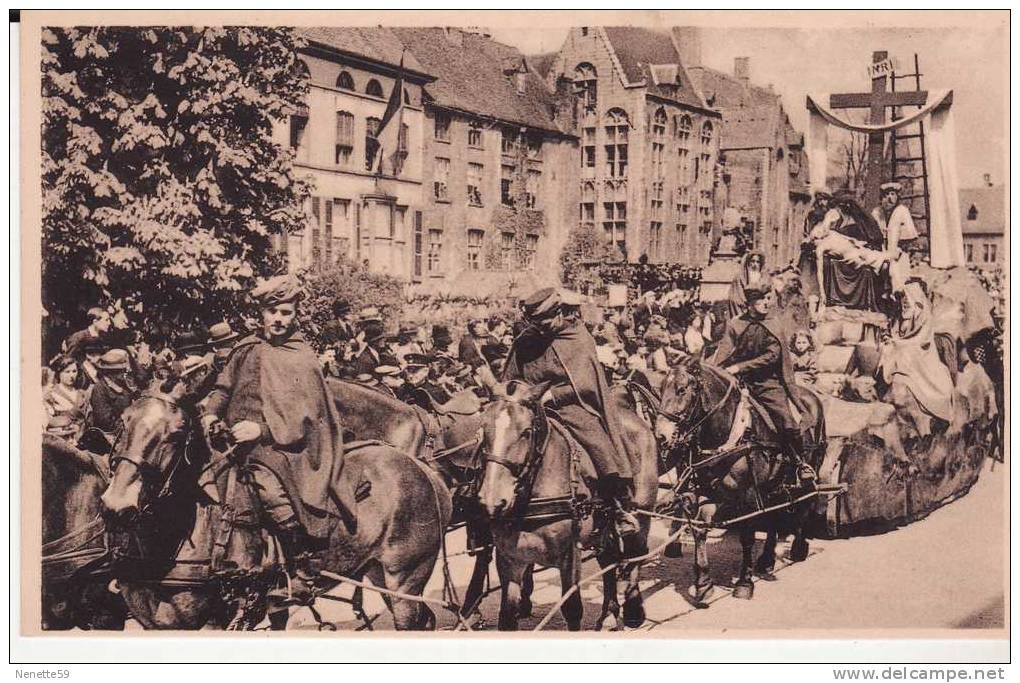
{"x":683,"y":436}
{"x":524,"y":472}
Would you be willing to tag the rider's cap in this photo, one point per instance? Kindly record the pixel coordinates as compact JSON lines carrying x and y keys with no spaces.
{"x":278,"y":290}
{"x":416,"y":360}
{"x":891,"y":187}
{"x":387,"y":370}
{"x":114,"y":359}
{"x":755,"y":292}
{"x":221,"y":333}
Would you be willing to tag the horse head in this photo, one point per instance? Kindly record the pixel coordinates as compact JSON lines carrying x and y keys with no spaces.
{"x":510,"y":444}
{"x":680,"y":392}
{"x":151,"y":446}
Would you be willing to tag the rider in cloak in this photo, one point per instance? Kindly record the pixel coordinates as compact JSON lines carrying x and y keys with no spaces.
{"x":752,"y":350}
{"x":558,"y":348}
{"x":274,"y":399}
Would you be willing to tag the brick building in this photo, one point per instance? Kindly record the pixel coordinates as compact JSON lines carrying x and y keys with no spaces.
{"x":982,"y":215}
{"x":649,"y":144}
{"x":763,"y":169}
{"x":500,"y":190}
{"x":351,"y":73}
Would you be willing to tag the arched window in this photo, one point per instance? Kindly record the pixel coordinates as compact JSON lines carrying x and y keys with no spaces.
{"x":683,"y":128}
{"x":972,"y":213}
{"x":588,"y":204}
{"x":586,"y":87}
{"x":345,"y":81}
{"x":373,"y":88}
{"x":706,"y":134}
{"x":659,"y":123}
{"x":617,"y":133}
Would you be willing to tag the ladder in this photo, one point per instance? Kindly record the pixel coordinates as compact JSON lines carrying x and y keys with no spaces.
{"x":909,"y":162}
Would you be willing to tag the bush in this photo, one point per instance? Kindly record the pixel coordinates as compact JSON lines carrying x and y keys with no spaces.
{"x":586,"y":245}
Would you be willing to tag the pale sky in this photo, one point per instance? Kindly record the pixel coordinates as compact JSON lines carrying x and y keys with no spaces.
{"x":972,"y":61}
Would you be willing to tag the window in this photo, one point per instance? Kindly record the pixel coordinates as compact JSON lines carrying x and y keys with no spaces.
{"x":475,"y":136}
{"x":659,"y":124}
{"x":298,"y":125}
{"x":506,"y":250}
{"x":706,"y":134}
{"x":588,"y":205}
{"x":990,"y":253}
{"x":529,"y":251}
{"x":344,"y":137}
{"x":317,"y":231}
{"x":588,"y":148}
{"x":442,"y":127}
{"x":474,"y":184}
{"x":681,"y":229}
{"x":508,"y":142}
{"x":968,"y":250}
{"x":656,"y":202}
{"x":658,"y":155}
{"x":586,"y":87}
{"x":506,"y":185}
{"x":442,"y":179}
{"x":435,"y":250}
{"x":584,"y":31}
{"x":532,"y":185}
{"x":373,"y":88}
{"x":342,"y":225}
{"x":345,"y":81}
{"x":617,"y":129}
{"x":402,"y":148}
{"x":683,"y":129}
{"x":371,"y":143}
{"x":615,"y":222}
{"x":418,"y":246}
{"x":474,"y":249}
{"x":972,"y":213}
{"x":327,"y":241}
{"x":655,"y":240}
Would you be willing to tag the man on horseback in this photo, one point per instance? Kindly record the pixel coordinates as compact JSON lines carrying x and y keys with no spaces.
{"x":558,"y":348}
{"x":275,"y":402}
{"x":752,"y":351}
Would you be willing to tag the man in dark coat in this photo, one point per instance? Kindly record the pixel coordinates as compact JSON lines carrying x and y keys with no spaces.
{"x":558,"y":348}
{"x":471,"y":351}
{"x":109,"y":397}
{"x":274,"y":399}
{"x":752,"y":350}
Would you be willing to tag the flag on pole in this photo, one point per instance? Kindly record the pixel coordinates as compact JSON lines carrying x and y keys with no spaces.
{"x":387,"y":138}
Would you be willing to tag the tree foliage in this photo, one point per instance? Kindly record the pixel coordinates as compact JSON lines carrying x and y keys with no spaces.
{"x":585,"y":245}
{"x":162,"y":187}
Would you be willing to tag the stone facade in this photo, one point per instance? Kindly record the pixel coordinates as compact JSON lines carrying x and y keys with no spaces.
{"x":648,"y":144}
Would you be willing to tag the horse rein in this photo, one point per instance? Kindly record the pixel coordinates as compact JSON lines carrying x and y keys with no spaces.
{"x":681,"y":437}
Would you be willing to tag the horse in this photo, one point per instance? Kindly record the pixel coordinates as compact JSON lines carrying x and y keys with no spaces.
{"x":190,"y":514}
{"x":447,"y":443}
{"x":535,"y":485}
{"x":74,"y":582}
{"x":699,"y":406}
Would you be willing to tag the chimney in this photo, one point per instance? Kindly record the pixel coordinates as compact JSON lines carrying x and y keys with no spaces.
{"x":687,"y":43}
{"x":742,"y":69}
{"x":521,"y":78}
{"x":988,"y":179}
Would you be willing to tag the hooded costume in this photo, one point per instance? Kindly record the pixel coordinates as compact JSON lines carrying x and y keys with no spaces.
{"x":580,"y":393}
{"x":279,"y":386}
{"x":737,"y":299}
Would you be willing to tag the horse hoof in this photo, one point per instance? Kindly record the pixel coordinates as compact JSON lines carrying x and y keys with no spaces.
{"x":799,"y":550}
{"x":743,"y":591}
{"x":633,"y":613}
{"x":673,"y":550}
{"x":701,"y":594}
{"x":608,"y":623}
{"x":766,"y":575}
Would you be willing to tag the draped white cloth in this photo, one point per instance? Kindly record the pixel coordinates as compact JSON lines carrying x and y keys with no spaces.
{"x":944,"y":230}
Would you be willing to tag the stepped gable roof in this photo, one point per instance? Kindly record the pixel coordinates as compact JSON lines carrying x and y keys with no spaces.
{"x":990,"y":205}
{"x":638,"y":50}
{"x":476,"y":76}
{"x":377,"y":43}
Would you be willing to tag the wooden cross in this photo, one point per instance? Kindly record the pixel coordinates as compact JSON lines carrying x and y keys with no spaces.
{"x":878,"y":100}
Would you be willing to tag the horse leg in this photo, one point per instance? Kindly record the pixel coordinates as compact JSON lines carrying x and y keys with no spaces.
{"x":609,"y":619}
{"x":744,"y":588}
{"x":473,"y":596}
{"x":799,"y":547}
{"x":510,"y":578}
{"x":527,"y":588}
{"x":675,"y":548}
{"x":703,"y":586}
{"x":573,"y":609}
{"x":410,"y":615}
{"x":766,"y":564}
{"x":633,"y":602}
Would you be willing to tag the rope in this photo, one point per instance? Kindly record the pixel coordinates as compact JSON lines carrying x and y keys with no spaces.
{"x":96,"y":522}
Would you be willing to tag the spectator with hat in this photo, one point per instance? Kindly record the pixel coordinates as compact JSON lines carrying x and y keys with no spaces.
{"x":470,"y":352}
{"x":442,"y":342}
{"x":110,"y":396}
{"x":558,"y":349}
{"x":406,"y":342}
{"x":92,"y":337}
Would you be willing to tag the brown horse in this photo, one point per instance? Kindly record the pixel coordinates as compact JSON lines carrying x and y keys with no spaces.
{"x":74,"y":581}
{"x":535,"y":484}
{"x":192,"y":559}
{"x":695,"y":418}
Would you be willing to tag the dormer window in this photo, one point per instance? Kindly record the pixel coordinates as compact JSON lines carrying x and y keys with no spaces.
{"x":972,"y":213}
{"x":374,"y":88}
{"x":586,"y":87}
